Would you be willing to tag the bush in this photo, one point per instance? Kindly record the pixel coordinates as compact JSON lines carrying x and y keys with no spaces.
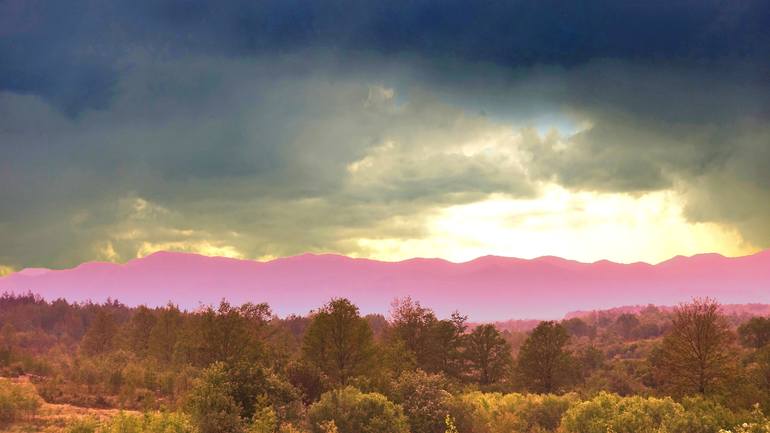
{"x":211,"y":405}
{"x":150,"y":422}
{"x":479,"y":412}
{"x":17,"y":401}
{"x":352,"y":411}
{"x":83,"y":425}
{"x":424,"y":400}
{"x":609,"y":412}
{"x":704,"y":416}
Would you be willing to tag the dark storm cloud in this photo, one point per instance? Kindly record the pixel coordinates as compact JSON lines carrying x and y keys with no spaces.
{"x":71,"y":52}
{"x":243,"y":152}
{"x":163,"y":124}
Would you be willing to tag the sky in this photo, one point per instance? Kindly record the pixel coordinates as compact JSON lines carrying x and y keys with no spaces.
{"x":620,"y":130}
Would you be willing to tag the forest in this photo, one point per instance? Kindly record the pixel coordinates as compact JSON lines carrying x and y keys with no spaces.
{"x":695,"y":368}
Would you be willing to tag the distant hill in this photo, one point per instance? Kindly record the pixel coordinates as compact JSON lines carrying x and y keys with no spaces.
{"x":488,"y":288}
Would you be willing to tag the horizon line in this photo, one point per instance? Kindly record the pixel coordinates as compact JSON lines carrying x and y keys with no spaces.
{"x":368,"y":259}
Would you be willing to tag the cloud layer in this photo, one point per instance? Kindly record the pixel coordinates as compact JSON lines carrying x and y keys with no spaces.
{"x":269,"y":130}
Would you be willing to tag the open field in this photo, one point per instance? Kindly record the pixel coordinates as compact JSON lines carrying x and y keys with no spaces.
{"x":54,"y":418}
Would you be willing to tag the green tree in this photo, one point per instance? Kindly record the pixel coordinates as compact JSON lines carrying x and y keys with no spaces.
{"x":626,"y":325}
{"x":424,"y":399}
{"x":544,"y":364}
{"x":435,"y":345}
{"x":100,"y":335}
{"x":352,"y":411}
{"x":488,"y":353}
{"x":211,"y":405}
{"x":308,"y":378}
{"x":7,"y":343}
{"x":755,"y":333}
{"x":695,"y":356}
{"x":339,"y":341}
{"x":163,"y":336}
{"x":256,"y":388}
{"x":577,"y":327}
{"x":139,"y":330}
{"x":232,"y":334}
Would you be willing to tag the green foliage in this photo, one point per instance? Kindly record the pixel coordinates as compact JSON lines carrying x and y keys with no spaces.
{"x":83,"y":425}
{"x":424,"y":399}
{"x":140,"y":329}
{"x":232,"y":334}
{"x":352,"y":411}
{"x":696,"y":355}
{"x":433,"y":345}
{"x":703,"y":415}
{"x":755,"y":333}
{"x":255,"y":387}
{"x":544,"y":363}
{"x":211,"y":405}
{"x":478,"y":412}
{"x":636,"y":414}
{"x":100,"y":335}
{"x":149,"y":422}
{"x":264,"y":419}
{"x":308,"y":378}
{"x":162,"y":337}
{"x":339,"y":341}
{"x":488,"y":353}
{"x":450,"y":424}
{"x":16,"y":401}
{"x":609,"y":412}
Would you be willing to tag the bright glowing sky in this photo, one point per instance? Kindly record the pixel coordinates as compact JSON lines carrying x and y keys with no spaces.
{"x":581,"y":226}
{"x":509,"y":128}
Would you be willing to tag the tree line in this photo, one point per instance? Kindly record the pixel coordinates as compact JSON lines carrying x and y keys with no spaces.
{"x":235,"y":368}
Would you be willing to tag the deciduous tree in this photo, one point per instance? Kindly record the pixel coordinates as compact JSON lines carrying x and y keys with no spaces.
{"x":544,"y":365}
{"x":695,"y":355}
{"x":339,"y":341}
{"x":488,"y":353}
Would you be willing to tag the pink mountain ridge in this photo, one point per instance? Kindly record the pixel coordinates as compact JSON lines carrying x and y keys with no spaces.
{"x":486,"y":289}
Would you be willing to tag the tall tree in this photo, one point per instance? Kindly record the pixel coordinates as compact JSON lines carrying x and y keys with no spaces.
{"x":413,"y":325}
{"x":101,"y":334}
{"x":163,"y":336}
{"x":626,"y":325}
{"x":755,"y":333}
{"x":233,"y":334}
{"x":435,"y":345}
{"x":139,"y":330}
{"x":211,"y":404}
{"x":544,"y":363}
{"x":696,"y":353}
{"x":489,"y":354}
{"x":339,"y":341}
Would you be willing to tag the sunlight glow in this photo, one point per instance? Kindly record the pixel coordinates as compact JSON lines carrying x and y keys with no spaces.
{"x":583,"y":226}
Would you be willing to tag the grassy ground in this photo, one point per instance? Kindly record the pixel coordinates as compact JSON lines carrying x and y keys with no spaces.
{"x":54,"y":418}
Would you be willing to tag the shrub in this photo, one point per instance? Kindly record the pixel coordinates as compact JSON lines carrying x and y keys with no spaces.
{"x":479,"y":412}
{"x":704,"y":416}
{"x":83,"y":425}
{"x":610,"y":412}
{"x":424,"y":400}
{"x":150,"y":422}
{"x":352,"y":411}
{"x":211,"y":405}
{"x":17,"y":401}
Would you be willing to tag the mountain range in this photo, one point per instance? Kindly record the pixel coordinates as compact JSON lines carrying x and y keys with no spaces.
{"x":487,"y":288}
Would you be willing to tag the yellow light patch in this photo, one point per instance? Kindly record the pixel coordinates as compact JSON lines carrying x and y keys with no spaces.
{"x":199,"y":247}
{"x":583,"y":226}
{"x":6,"y":270}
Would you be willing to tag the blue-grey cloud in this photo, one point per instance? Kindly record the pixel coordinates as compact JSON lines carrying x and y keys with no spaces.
{"x":179,"y":122}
